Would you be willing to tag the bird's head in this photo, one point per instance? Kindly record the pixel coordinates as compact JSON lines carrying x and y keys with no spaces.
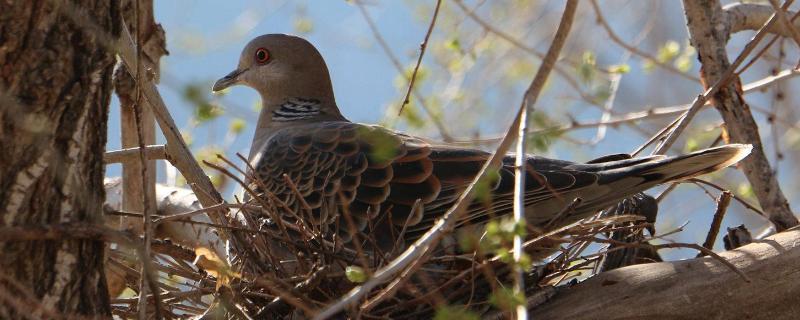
{"x":282,"y":67}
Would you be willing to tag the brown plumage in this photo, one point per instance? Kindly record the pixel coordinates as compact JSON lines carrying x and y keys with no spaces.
{"x":388,"y":181}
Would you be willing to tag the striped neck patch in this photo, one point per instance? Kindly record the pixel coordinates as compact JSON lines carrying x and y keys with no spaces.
{"x":296,"y":109}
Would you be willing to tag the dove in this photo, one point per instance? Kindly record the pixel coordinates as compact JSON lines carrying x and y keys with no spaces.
{"x":391,"y":184}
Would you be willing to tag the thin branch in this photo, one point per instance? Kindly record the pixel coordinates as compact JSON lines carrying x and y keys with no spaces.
{"x":176,"y":147}
{"x":437,"y":120}
{"x":629,"y":48}
{"x":516,"y":43}
{"x":151,"y":152}
{"x":703,"y":22}
{"x":422,"y":47}
{"x":712,"y":91}
{"x":751,"y":16}
{"x":723,"y":202}
{"x":787,"y":24}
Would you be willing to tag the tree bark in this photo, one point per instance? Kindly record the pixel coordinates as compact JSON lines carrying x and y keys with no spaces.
{"x":55,"y":83}
{"x":709,"y":31}
{"x":700,"y":288}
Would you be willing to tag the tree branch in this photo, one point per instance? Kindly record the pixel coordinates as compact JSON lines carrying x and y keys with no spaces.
{"x":703,"y":18}
{"x":689,"y":288}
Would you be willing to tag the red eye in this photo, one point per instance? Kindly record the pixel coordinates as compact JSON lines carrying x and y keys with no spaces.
{"x":262,"y":55}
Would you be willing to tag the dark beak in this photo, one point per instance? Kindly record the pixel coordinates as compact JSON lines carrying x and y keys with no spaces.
{"x":227,"y":81}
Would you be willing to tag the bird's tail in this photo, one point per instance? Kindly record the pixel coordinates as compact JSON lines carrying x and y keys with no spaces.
{"x":622,"y":178}
{"x":669,"y":169}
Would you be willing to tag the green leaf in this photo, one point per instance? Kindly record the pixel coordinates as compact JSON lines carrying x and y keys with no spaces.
{"x":303,"y":25}
{"x":668,"y":51}
{"x":506,"y":299}
{"x":586,"y":70}
{"x":411,"y":116}
{"x":197,"y":95}
{"x":468,"y":241}
{"x":691,"y":145}
{"x":483,"y":188}
{"x":745,"y":190}
{"x":453,"y":44}
{"x":686,"y":60}
{"x":237,"y":125}
{"x":620,"y":68}
{"x":355,"y":274}
{"x":454,"y":313}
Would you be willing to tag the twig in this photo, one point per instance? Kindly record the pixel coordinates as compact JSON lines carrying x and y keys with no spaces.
{"x":422,"y":47}
{"x":710,"y":40}
{"x":151,"y":152}
{"x":723,"y":202}
{"x":649,"y":114}
{"x":751,"y":16}
{"x":569,"y":208}
{"x":787,"y":24}
{"x":176,"y":147}
{"x":708,"y":252}
{"x":147,"y":281}
{"x":735,"y":197}
{"x":712,"y":91}
{"x":430,"y":239}
{"x":508,"y":38}
{"x":63,"y":231}
{"x":629,"y":48}
{"x":437,"y":120}
{"x":520,"y":166}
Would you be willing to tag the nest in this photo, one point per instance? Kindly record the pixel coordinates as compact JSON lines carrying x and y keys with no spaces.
{"x":282,"y":267}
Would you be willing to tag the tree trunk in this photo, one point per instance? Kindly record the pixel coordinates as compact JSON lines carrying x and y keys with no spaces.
{"x":55,"y":86}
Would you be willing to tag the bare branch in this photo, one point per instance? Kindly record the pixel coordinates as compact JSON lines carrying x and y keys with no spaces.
{"x":703,"y":18}
{"x":700,"y":284}
{"x":151,"y":152}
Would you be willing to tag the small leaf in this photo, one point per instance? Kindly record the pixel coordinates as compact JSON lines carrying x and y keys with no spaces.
{"x":453,"y":44}
{"x":454,"y":313}
{"x":237,"y":125}
{"x":506,"y":299}
{"x":668,"y":51}
{"x":207,"y":259}
{"x":303,"y":25}
{"x":355,"y":274}
{"x":586,"y":70}
{"x":620,"y":68}
{"x":483,"y":188}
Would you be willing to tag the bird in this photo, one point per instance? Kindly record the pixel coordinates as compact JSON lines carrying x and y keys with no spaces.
{"x":388,"y":183}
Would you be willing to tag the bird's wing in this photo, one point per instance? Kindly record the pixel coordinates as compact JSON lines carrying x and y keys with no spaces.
{"x":380,"y":176}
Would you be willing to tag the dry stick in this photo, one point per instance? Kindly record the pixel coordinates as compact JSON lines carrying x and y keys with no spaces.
{"x":176,"y":147}
{"x":723,"y":202}
{"x":735,"y":197}
{"x":632,"y":49}
{"x":502,"y":35}
{"x":147,"y":281}
{"x":566,"y":210}
{"x":763,"y":49}
{"x":519,"y":208}
{"x":698,"y":103}
{"x":420,"y":248}
{"x":151,"y":152}
{"x":653,"y":113}
{"x":781,"y":13}
{"x":437,"y":120}
{"x":422,"y":47}
{"x":264,"y":204}
{"x":278,"y":288}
